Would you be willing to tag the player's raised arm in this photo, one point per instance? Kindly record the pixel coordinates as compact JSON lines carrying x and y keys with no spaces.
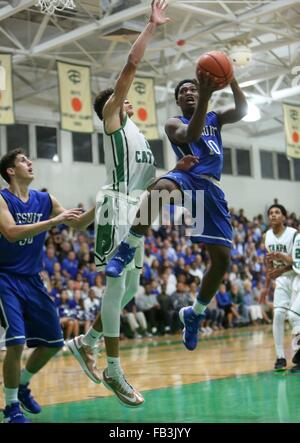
{"x":13,"y":232}
{"x":114,"y":104}
{"x":235,"y":114}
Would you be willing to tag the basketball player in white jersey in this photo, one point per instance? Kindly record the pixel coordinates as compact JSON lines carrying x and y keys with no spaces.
{"x":130,"y":167}
{"x":293,"y":262}
{"x":279,"y":239}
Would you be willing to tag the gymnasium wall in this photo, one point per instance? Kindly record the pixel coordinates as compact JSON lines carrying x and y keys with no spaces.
{"x":74,"y":182}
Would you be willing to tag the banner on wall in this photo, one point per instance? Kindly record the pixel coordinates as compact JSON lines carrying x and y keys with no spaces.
{"x":292,"y":129}
{"x":142,"y":97}
{"x":75,"y":97}
{"x":7,"y":116}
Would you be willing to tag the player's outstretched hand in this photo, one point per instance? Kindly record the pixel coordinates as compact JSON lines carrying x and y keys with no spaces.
{"x":158,"y":16}
{"x":208,"y":84}
{"x":186,"y":163}
{"x":68,"y":215}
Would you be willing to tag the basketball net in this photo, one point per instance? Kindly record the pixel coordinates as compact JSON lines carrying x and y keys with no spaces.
{"x":50,"y":6}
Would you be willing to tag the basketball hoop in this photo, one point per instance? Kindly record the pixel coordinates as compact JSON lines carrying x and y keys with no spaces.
{"x":50,"y":6}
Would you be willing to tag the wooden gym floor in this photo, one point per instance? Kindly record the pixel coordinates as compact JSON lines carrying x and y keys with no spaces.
{"x":228,"y":379}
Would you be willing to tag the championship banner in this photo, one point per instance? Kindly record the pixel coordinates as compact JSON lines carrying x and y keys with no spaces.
{"x":75,"y":98}
{"x":142,"y":97}
{"x":292,"y":129}
{"x":7,"y":116}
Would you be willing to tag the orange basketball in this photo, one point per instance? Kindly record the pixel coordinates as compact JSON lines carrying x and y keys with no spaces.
{"x":218,"y":65}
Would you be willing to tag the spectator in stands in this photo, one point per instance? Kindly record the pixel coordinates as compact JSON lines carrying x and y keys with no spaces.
{"x":224,"y":302}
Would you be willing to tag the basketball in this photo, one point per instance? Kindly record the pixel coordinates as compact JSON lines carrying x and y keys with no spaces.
{"x":218,"y":65}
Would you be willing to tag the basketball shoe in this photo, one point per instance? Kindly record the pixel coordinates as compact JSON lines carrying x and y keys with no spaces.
{"x":120,"y":260}
{"x":27,"y":401}
{"x":191,"y":322}
{"x":85,"y":355}
{"x":280,"y":364}
{"x":126,"y":394}
{"x":13,"y":414}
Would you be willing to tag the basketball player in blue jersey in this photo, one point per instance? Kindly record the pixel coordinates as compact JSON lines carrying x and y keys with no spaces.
{"x":196,"y":133}
{"x":27,"y":313}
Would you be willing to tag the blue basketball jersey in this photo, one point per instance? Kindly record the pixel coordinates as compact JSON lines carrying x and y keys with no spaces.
{"x":208,"y":148}
{"x":24,"y":257}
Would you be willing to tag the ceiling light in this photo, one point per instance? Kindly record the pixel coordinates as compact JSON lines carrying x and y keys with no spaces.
{"x":253,"y":113}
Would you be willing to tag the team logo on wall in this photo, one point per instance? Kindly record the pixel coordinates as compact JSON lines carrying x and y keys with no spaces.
{"x":75,"y":98}
{"x":7,"y":116}
{"x":292,"y":129}
{"x":141,"y":95}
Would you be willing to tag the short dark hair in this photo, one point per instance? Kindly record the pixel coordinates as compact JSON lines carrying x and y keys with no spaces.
{"x":182,"y":82}
{"x":100,"y":101}
{"x":8,"y":161}
{"x":280,"y":207}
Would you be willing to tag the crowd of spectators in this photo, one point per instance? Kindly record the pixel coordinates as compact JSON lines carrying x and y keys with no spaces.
{"x":172,"y":273}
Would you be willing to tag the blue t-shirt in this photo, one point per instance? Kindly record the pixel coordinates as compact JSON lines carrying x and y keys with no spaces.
{"x":208,"y":148}
{"x":25,"y":257}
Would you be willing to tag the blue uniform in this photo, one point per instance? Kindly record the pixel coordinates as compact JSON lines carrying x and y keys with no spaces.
{"x":27,"y":313}
{"x":204,"y":176}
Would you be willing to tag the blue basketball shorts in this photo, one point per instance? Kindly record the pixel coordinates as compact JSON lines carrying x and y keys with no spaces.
{"x":27,"y":313}
{"x":209,"y":208}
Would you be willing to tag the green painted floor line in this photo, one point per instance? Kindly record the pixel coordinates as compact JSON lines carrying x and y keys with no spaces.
{"x":257,"y":398}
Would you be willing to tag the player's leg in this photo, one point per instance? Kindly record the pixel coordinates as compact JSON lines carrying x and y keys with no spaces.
{"x":113,"y":375}
{"x":149,"y":209}
{"x":192,"y":316}
{"x":282,"y":298}
{"x":43,"y":332}
{"x":12,"y":321}
{"x":294,"y":318}
{"x":213,"y":227}
{"x":83,"y":347}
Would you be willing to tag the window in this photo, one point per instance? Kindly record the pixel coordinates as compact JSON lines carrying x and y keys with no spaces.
{"x":46,"y":142}
{"x":283,"y":165}
{"x":82,"y":147}
{"x":101,"y":149}
{"x":243,"y":162}
{"x":266,"y":164}
{"x":157,"y":149}
{"x":227,"y":167}
{"x":297,"y":168}
{"x":18,"y":137}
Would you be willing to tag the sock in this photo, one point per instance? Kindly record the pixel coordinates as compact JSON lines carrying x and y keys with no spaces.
{"x":199,"y":307}
{"x":133,"y":239}
{"x":114,"y":366}
{"x":25,"y":376}
{"x":278,"y":332}
{"x":91,"y":337}
{"x":11,"y":396}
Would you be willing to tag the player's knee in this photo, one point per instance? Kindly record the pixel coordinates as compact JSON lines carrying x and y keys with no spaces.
{"x":165,"y":185}
{"x":221,"y":259}
{"x":14,"y":351}
{"x":279,"y":314}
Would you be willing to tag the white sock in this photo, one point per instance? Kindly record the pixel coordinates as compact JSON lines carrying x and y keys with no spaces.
{"x":11,"y":396}
{"x":26,"y":376}
{"x":278,"y":332}
{"x":133,"y":239}
{"x":114,"y":367}
{"x":91,"y":337}
{"x":198,"y":307}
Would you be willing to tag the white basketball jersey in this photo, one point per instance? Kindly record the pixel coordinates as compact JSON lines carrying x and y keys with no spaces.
{"x":130,"y":169}
{"x":129,"y":161}
{"x":282,"y":243}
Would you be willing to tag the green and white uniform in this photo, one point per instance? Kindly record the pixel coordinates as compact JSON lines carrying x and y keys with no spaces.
{"x":130,"y":170}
